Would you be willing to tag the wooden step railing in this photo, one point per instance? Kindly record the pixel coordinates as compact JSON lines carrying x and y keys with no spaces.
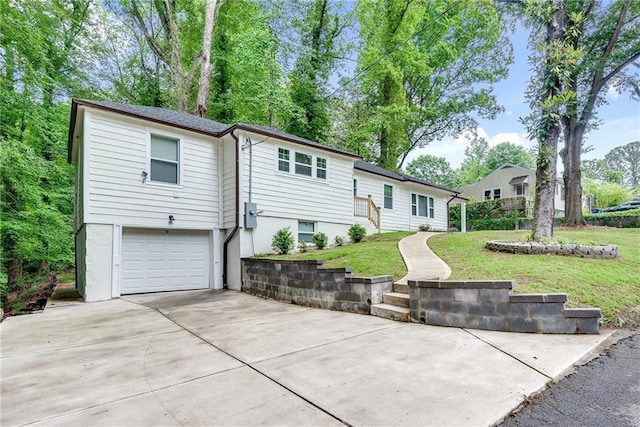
{"x":364,"y":207}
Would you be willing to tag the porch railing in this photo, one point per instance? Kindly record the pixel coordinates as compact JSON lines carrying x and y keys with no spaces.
{"x":364,"y":207}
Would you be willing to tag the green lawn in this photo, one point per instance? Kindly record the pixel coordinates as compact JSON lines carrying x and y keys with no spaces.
{"x":612,"y":285}
{"x":376,"y":255}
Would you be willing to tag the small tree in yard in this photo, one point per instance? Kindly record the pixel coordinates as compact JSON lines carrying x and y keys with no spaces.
{"x":283,"y":241}
{"x":357,"y":233}
{"x":320,"y":240}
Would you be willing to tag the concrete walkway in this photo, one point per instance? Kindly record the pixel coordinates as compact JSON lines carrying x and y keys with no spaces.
{"x":421,"y":262}
{"x":228,"y":358}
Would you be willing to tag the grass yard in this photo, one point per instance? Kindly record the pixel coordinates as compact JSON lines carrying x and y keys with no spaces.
{"x":611,"y":285}
{"x":376,"y":255}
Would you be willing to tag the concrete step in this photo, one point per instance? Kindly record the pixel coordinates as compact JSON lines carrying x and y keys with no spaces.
{"x":395,"y":298}
{"x":401,"y":288}
{"x":392,"y":312}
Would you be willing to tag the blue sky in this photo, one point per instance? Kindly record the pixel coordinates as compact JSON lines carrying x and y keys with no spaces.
{"x":620,"y":117}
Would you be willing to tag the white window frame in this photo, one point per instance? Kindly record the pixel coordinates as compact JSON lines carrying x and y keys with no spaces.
{"x":521,"y":187}
{"x":316,"y":169}
{"x":430,"y":205}
{"x":306,"y":233}
{"x":179,"y":162}
{"x":492,"y":193}
{"x":385,"y":197}
{"x":286,"y":152}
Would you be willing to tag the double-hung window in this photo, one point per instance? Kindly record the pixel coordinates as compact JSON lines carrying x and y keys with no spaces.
{"x":165,"y":159}
{"x":283,"y":160}
{"x":492,"y":193}
{"x":388,"y":196}
{"x":304,"y":165}
{"x":422,"y":206}
{"x":321,"y":168}
{"x":305,"y":231}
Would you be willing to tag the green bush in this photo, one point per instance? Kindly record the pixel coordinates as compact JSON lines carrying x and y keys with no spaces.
{"x":621,"y":219}
{"x":320,"y":240}
{"x":302,"y":247}
{"x":338,"y":241}
{"x":283,"y":241}
{"x":357,"y":233}
{"x":504,"y":223}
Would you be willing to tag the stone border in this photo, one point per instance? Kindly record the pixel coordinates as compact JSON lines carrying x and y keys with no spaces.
{"x":528,"y":248}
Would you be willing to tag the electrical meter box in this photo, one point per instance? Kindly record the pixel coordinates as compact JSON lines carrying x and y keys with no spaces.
{"x":250,"y":215}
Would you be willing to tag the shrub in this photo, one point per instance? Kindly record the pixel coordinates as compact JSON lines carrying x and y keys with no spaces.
{"x":283,"y":241}
{"x":357,"y":233}
{"x":302,"y":247}
{"x":504,"y":223}
{"x":320,"y":240}
{"x":424,"y":227}
{"x":338,"y":241}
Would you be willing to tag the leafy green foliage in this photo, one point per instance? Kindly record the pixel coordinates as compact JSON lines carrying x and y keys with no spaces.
{"x":435,"y":170}
{"x":606,"y":194}
{"x":625,"y":162}
{"x":357,"y":232}
{"x":320,"y":240}
{"x":283,"y":241}
{"x":417,"y":86}
{"x":507,"y":152}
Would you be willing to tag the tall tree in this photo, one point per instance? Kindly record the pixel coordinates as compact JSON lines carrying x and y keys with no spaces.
{"x":179,"y":33}
{"x":424,"y":68}
{"x":42,"y":54}
{"x":626,"y":161}
{"x":433,"y":169}
{"x":507,"y":152}
{"x":550,"y":92}
{"x":608,"y":38}
{"x":319,"y":49}
{"x":474,"y":166}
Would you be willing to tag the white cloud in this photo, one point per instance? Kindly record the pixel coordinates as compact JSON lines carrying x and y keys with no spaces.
{"x":612,"y":93}
{"x":452,"y":149}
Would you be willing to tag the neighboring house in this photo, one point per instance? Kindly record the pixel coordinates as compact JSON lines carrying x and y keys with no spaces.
{"x":169,"y":201}
{"x":509,"y":182}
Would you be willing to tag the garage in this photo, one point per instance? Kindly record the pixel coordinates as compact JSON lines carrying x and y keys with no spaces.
{"x":164,"y":260}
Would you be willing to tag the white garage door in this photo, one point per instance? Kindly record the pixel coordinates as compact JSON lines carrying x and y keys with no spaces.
{"x":164,"y":260}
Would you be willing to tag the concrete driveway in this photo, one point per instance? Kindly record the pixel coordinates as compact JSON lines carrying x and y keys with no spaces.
{"x":227,"y":358}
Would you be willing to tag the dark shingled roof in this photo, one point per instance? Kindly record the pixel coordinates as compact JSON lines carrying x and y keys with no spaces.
{"x":192,"y":123}
{"x":518,"y":180}
{"x":371,"y":168}
{"x":160,"y":115}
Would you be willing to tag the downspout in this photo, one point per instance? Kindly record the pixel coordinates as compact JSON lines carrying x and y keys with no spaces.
{"x":225,"y":250}
{"x":448,"y":216}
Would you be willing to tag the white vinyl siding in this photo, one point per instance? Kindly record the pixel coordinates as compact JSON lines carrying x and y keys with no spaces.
{"x":293,"y":196}
{"x":118,"y":154}
{"x":401,"y":217}
{"x":228,"y":147}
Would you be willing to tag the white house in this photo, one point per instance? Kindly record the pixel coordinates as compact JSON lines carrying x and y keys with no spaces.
{"x":510,"y":181}
{"x":169,"y":201}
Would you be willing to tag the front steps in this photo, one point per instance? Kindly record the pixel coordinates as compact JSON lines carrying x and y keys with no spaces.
{"x":395,"y":305}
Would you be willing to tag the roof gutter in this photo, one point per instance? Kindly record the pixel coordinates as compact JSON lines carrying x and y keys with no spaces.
{"x":225,"y":250}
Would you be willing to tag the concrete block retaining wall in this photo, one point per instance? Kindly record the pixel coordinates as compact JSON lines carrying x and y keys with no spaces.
{"x":491,"y":305}
{"x":309,"y":283}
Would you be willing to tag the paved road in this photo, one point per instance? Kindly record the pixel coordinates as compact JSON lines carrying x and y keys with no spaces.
{"x":605,"y":392}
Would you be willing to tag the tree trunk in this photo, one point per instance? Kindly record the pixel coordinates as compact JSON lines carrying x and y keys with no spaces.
{"x":211,"y":15}
{"x":14,"y":271}
{"x":572,"y":175}
{"x":549,"y":128}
